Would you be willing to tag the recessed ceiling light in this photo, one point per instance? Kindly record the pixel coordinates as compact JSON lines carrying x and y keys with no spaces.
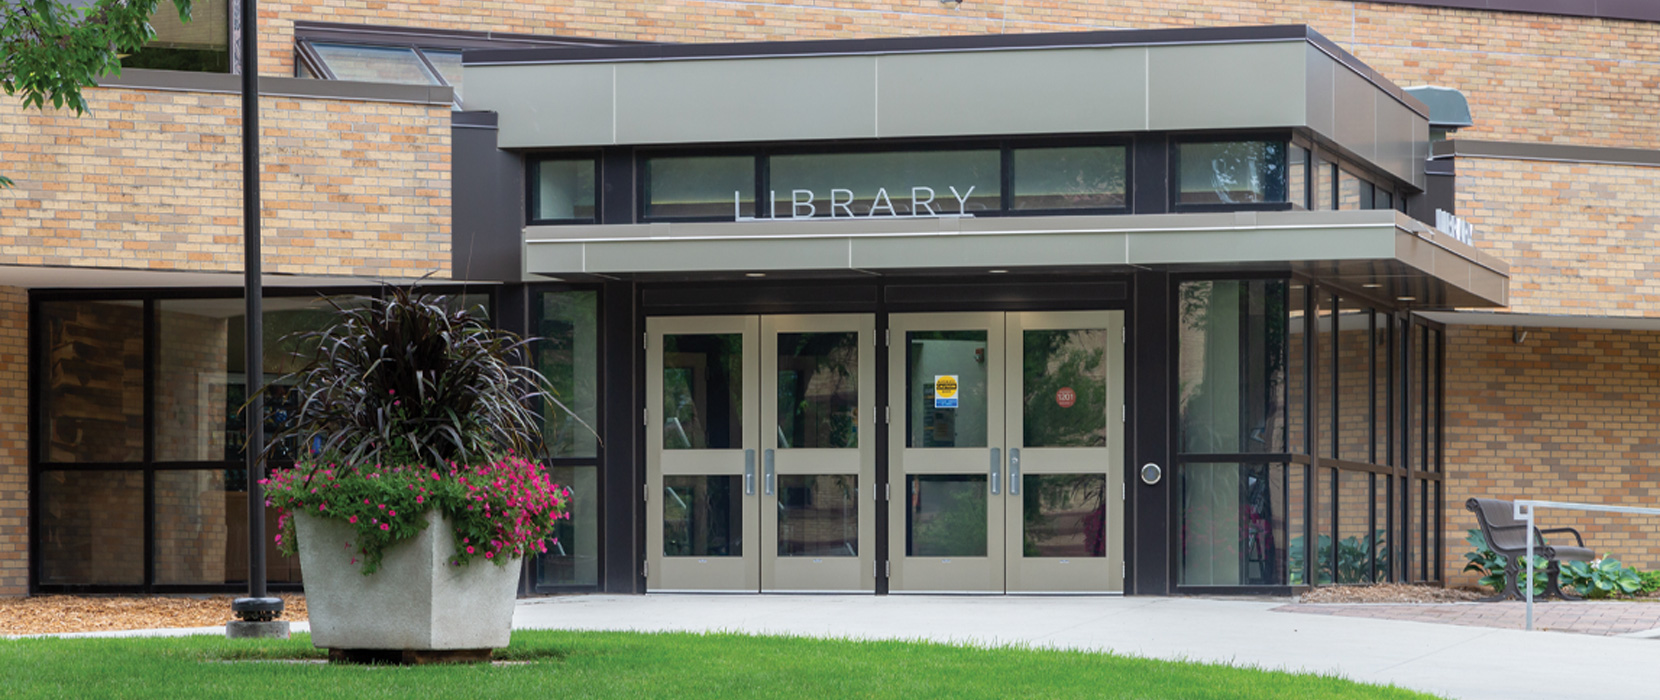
{"x":1406,"y":298}
{"x":1371,"y":285}
{"x":755,"y":274}
{"x":997,"y":272}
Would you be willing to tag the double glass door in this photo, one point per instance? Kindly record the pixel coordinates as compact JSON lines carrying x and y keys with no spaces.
{"x":760,"y":453}
{"x":1005,"y":452}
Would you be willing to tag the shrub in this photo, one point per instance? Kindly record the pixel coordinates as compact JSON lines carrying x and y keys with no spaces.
{"x":1602,"y":578}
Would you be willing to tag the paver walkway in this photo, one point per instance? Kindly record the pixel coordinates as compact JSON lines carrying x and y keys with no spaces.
{"x":1610,"y":618}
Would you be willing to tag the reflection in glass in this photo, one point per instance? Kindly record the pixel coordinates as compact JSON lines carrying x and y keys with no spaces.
{"x":1069,"y":178}
{"x":1232,"y":366}
{"x":945,"y":515}
{"x":1233,"y":172}
{"x":92,"y":394}
{"x":568,"y":355}
{"x":1350,"y":191}
{"x":1354,"y":530}
{"x":1355,"y":346}
{"x":1296,"y":360}
{"x":1325,"y":185}
{"x":1325,"y":491}
{"x":1064,"y":375}
{"x":572,"y":558}
{"x":1381,"y":540}
{"x":564,"y":189}
{"x":1233,"y":530}
{"x":448,"y":64}
{"x":703,"y":391}
{"x":1325,"y":323}
{"x":92,"y":527}
{"x":703,"y":516}
{"x":192,"y":534}
{"x":818,"y":515}
{"x":1296,"y":494}
{"x":818,"y":390}
{"x":886,"y":184}
{"x":1296,"y":168}
{"x":931,"y":420}
{"x":700,"y":186}
{"x":1384,"y":422}
{"x":1065,"y":515}
{"x":375,"y":64}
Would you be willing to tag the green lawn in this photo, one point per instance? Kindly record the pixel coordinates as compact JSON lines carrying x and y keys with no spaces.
{"x":628,"y":665}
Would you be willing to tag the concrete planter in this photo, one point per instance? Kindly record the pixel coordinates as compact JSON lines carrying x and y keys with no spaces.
{"x":416,"y":601}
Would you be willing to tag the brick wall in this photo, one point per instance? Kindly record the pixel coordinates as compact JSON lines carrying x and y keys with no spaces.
{"x":14,"y":449}
{"x":152,"y":179}
{"x":1579,"y":237}
{"x":1565,"y":415}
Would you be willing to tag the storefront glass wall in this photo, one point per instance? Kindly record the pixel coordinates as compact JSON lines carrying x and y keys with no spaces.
{"x":1285,"y":438}
{"x":566,"y":350}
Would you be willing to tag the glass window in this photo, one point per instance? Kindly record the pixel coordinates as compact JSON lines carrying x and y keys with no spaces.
{"x":886,"y":184}
{"x":1065,"y":515}
{"x":703,"y":516}
{"x":1353,"y":341}
{"x":1296,"y":523}
{"x":818,"y":390}
{"x":1069,"y":178}
{"x":1297,"y":189}
{"x":1325,"y":185}
{"x":1325,"y":493}
{"x":1382,"y":199}
{"x":563,"y":189}
{"x":945,"y":515}
{"x":703,"y":392}
{"x":1325,"y":375}
{"x":201,"y":531}
{"x":700,"y":187}
{"x":198,"y":45}
{"x":1354,"y":529}
{"x":1382,"y":420}
{"x":1350,"y":190}
{"x":91,"y":529}
{"x":1296,"y":360}
{"x":1233,"y":530}
{"x":92,"y":391}
{"x":1232,"y":366}
{"x":375,"y":64}
{"x":572,"y":558}
{"x":1380,"y":538}
{"x":1070,"y":363}
{"x":933,"y":421}
{"x":448,"y":64}
{"x":1233,"y":172}
{"x":818,"y":515}
{"x":568,"y":355}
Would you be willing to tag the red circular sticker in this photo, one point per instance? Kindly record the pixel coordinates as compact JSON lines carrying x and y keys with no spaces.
{"x":1065,"y":396}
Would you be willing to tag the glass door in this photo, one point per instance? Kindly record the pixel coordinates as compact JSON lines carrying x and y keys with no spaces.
{"x":1006,"y":452}
{"x":946,"y":382}
{"x":1065,"y":437}
{"x":818,"y":456}
{"x":702,"y":406}
{"x":761,"y":453}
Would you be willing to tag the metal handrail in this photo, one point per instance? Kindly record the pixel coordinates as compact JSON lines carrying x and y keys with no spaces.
{"x":1523,"y":510}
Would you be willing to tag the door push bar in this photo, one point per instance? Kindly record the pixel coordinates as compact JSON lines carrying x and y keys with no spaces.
{"x":749,"y":472}
{"x":771,"y":477}
{"x":996,"y":472}
{"x":1014,"y":471}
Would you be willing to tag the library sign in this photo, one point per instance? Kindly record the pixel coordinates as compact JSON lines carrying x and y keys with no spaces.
{"x":805,"y":204}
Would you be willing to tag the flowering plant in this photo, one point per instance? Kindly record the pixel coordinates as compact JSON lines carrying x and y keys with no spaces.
{"x":411,"y":404}
{"x":500,"y":510}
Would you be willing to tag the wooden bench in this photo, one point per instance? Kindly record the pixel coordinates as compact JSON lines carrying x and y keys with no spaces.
{"x":1508,"y":536}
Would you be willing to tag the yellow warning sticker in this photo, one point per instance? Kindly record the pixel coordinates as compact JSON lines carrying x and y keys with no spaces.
{"x":945,"y":391}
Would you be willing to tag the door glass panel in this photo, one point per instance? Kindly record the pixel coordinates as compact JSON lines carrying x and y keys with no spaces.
{"x":702,"y":516}
{"x":1065,"y":515}
{"x":703,"y":391}
{"x":1064,"y":375}
{"x":945,"y":515}
{"x":818,"y":515}
{"x":818,"y":390}
{"x":939,"y":363}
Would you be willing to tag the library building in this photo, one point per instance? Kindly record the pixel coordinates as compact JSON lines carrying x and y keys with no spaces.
{"x":943,"y":299}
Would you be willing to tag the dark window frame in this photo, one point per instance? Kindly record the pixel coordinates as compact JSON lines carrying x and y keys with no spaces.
{"x":533,"y":174}
{"x":1173,"y":159}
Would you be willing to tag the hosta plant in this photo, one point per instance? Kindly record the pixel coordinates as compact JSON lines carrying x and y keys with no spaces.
{"x":1601,"y":578}
{"x":409,"y":404}
{"x":1483,"y":560}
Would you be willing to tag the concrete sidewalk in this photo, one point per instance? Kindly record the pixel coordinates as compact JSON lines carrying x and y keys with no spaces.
{"x":1469,"y":663}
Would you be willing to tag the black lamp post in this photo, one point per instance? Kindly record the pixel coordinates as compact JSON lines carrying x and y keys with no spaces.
{"x":257,"y":612}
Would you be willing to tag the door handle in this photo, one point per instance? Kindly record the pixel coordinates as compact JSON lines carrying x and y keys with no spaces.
{"x":771,"y":476}
{"x":749,"y":472}
{"x":996,"y":472}
{"x":1014,"y":471}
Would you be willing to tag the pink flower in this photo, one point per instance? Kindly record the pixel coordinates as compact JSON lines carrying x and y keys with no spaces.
{"x":469,"y":549}
{"x":384,"y":526}
{"x":352,"y":520}
{"x":392,"y":513}
{"x":489,"y":555}
{"x":321,"y":506}
{"x":420,"y":499}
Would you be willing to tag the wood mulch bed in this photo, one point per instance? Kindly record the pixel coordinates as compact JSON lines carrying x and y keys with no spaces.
{"x":1389,"y":593}
{"x":58,"y":614}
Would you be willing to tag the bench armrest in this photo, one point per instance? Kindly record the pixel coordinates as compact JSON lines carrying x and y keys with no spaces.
{"x":1580,"y":541}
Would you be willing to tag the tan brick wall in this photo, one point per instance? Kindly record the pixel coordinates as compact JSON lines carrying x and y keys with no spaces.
{"x":14,"y":447}
{"x":152,"y":179}
{"x":1529,"y":77}
{"x":1580,"y":238}
{"x":1566,"y":415}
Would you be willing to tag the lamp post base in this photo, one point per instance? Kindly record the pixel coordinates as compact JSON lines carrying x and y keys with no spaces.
{"x":270,"y":629}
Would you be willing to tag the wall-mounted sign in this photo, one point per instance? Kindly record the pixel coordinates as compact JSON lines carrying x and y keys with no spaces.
{"x":1065,"y":397}
{"x":945,"y":391}
{"x":804,"y":204}
{"x":1459,"y":229}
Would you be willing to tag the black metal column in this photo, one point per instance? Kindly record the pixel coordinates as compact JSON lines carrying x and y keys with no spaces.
{"x":1151,"y":352}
